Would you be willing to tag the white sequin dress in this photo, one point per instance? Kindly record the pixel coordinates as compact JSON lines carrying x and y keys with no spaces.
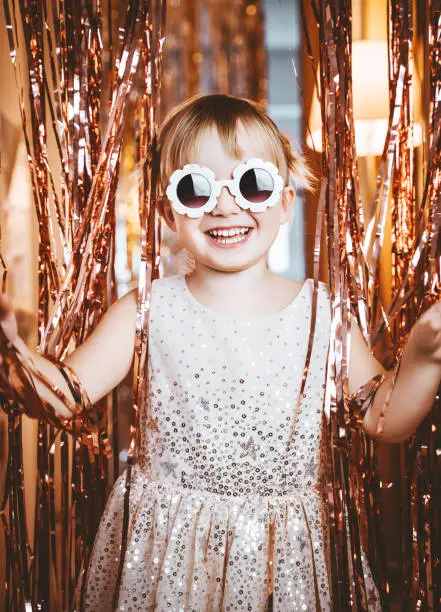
{"x":222,"y":509}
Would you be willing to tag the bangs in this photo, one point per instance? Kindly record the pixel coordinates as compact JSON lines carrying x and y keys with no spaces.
{"x":182,"y":130}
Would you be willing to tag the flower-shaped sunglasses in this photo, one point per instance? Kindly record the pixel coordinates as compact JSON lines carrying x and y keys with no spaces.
{"x":193,"y":190}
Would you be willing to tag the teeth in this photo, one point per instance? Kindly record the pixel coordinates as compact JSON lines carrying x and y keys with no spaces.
{"x":235,"y":231}
{"x":230,"y":240}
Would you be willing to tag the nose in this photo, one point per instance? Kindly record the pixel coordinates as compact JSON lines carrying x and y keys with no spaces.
{"x":226,"y":204}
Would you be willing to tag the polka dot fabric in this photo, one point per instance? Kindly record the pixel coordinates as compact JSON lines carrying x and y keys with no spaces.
{"x":226,"y":502}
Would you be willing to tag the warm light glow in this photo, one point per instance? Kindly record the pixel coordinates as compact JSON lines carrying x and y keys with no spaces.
{"x":370,"y":87}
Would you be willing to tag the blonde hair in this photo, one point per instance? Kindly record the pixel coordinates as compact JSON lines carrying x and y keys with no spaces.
{"x":202,"y":112}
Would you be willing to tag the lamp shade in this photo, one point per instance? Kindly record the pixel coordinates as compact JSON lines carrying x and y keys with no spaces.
{"x":370,"y":88}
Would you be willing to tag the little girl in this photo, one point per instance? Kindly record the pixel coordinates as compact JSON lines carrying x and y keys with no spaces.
{"x":226,"y":504}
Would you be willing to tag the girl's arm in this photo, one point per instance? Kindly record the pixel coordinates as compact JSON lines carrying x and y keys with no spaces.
{"x":416,"y":383}
{"x":100,"y":363}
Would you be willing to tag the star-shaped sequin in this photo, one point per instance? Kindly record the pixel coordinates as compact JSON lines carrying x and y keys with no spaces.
{"x":302,"y":542}
{"x":204,"y":403}
{"x":310,"y":468}
{"x":169,"y":468}
{"x":250,"y":448}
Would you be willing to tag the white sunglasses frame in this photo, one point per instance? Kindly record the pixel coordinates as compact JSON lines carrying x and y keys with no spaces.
{"x":216,"y":187}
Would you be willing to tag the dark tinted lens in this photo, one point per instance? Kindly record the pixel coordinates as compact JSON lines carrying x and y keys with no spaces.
{"x":193,"y":190}
{"x":256,"y":185}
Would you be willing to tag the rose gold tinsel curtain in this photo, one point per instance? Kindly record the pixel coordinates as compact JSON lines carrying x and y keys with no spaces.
{"x":356,"y":276}
{"x":74,"y":163}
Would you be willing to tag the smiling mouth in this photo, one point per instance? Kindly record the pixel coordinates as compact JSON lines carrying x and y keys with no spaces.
{"x":230,"y":236}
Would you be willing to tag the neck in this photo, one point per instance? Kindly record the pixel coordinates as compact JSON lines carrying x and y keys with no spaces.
{"x":235,"y":289}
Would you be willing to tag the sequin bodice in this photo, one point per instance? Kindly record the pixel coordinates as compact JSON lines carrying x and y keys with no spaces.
{"x":223,"y":395}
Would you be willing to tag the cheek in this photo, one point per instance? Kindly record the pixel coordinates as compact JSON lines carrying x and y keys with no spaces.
{"x":187,"y":228}
{"x":270,"y":219}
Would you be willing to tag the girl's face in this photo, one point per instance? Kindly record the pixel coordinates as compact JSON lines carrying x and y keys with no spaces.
{"x":254,"y":233}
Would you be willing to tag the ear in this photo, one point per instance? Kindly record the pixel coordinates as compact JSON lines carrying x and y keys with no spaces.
{"x":287,"y":201}
{"x":164,"y":209}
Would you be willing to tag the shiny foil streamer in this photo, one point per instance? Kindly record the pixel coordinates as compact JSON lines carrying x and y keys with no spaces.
{"x":151,"y":53}
{"x":348,"y":587}
{"x":415,"y":286}
{"x":350,"y":471}
{"x":62,"y":92}
{"x":355,"y":277}
{"x":421,"y":454}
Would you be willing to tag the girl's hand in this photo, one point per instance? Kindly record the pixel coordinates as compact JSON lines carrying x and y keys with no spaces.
{"x":8,"y":321}
{"x":426,"y":334}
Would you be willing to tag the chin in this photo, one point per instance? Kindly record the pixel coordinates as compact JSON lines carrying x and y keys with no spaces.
{"x":226,"y":260}
{"x":232,"y":265}
{"x":232,"y":268}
